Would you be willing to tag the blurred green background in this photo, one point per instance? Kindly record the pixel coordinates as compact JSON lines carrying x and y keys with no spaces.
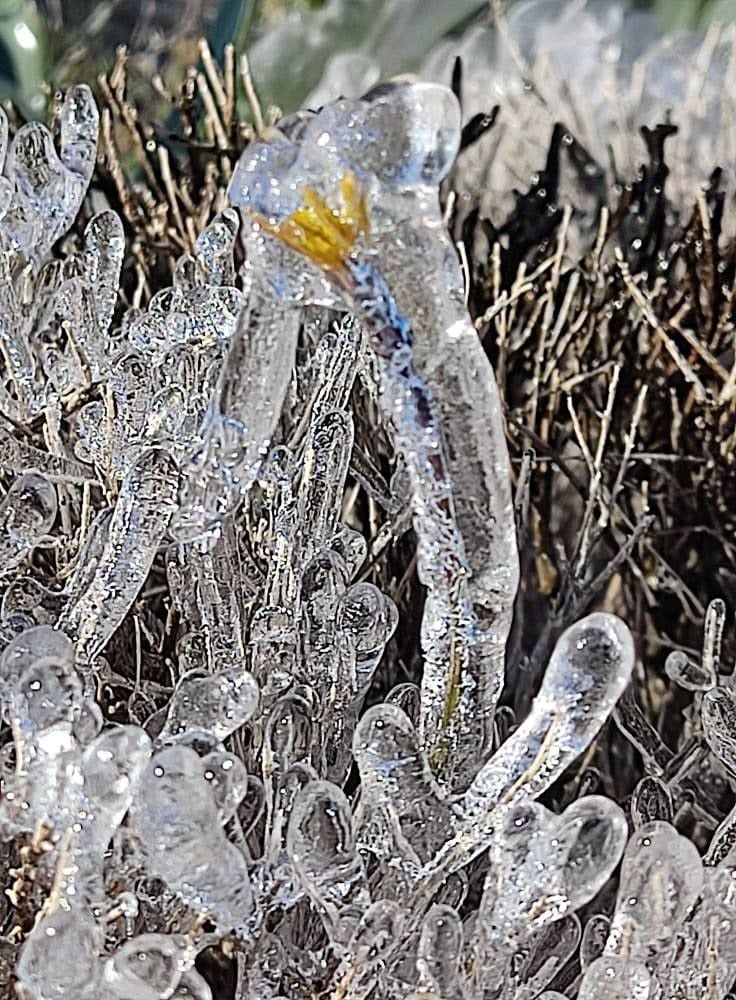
{"x":49,"y":43}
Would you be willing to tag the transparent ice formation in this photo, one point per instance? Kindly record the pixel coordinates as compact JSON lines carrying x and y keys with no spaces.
{"x":190,"y":542}
{"x":341,"y":213}
{"x":26,"y":516}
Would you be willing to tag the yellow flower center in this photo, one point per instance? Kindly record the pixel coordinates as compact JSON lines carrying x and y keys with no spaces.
{"x":326,"y":235}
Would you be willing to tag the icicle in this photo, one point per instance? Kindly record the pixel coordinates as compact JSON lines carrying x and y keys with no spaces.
{"x":143,"y":510}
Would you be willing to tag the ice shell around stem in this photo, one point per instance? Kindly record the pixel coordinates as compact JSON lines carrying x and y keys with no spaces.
{"x":266,"y":179}
{"x":148,"y":966}
{"x":544,"y":865}
{"x":661,"y":878}
{"x":322,"y":850}
{"x":176,"y":823}
{"x":591,"y":665}
{"x":28,"y":510}
{"x":417,"y":128}
{"x":41,"y":643}
{"x":614,"y":978}
{"x":588,"y":672}
{"x":49,"y":186}
{"x":440,"y":950}
{"x":718,"y":716}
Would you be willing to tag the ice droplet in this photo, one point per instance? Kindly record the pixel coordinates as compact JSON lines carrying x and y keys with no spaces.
{"x":369,"y":619}
{"x":594,"y":939}
{"x":26,"y":516}
{"x":213,"y":705}
{"x":543,"y":866}
{"x":322,"y":849}
{"x":48,"y":694}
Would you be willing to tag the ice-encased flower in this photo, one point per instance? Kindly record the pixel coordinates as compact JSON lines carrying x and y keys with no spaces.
{"x":399,"y":142}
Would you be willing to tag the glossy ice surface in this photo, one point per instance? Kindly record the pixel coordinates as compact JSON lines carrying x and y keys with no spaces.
{"x":262,"y":802}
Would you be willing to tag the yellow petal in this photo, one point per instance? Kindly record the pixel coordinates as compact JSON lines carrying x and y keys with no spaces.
{"x":327,"y":236}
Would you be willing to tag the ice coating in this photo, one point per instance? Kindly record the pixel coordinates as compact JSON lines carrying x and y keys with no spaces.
{"x":175,"y":819}
{"x":26,"y":515}
{"x":197,"y":523}
{"x":354,"y":188}
{"x":594,"y":62}
{"x":589,"y":669}
{"x":107,"y":588}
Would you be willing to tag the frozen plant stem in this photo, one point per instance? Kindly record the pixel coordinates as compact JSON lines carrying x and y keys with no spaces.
{"x":251,"y":790}
{"x":112,"y":575}
{"x":354,"y":219}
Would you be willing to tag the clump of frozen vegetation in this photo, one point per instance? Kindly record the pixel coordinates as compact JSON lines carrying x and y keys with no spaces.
{"x":258,"y":793}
